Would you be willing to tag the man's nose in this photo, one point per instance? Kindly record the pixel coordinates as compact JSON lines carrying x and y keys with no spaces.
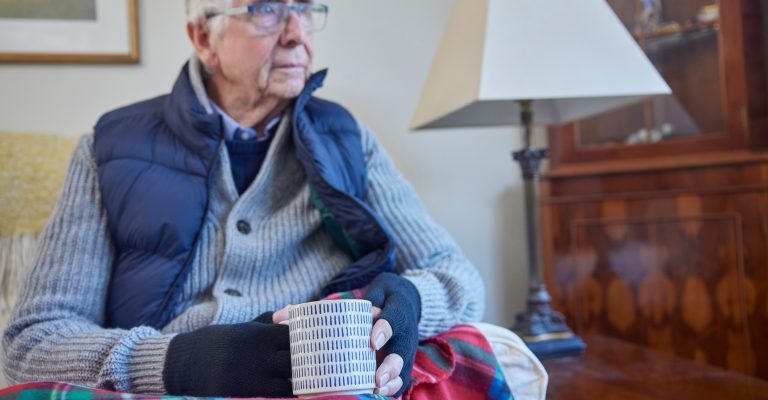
{"x":293,"y":32}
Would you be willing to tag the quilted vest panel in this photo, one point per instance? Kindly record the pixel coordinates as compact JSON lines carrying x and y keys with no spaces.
{"x":156,"y":155}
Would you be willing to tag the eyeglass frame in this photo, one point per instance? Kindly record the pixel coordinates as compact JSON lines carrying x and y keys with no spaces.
{"x":299,"y":8}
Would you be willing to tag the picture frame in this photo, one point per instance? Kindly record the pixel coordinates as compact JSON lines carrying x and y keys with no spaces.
{"x":69,"y":31}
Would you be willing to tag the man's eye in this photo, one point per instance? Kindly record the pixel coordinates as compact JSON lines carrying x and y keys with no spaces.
{"x":265,"y":8}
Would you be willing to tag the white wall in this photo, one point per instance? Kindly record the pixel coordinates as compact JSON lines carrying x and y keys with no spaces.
{"x":379,"y":53}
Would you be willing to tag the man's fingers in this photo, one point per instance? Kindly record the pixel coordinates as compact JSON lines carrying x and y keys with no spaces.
{"x":380,"y":334}
{"x":391,"y":388}
{"x":376,"y":312}
{"x":281,"y":315}
{"x":389,"y":371}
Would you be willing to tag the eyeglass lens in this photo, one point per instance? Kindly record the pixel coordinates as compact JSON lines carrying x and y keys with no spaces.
{"x":268,"y":17}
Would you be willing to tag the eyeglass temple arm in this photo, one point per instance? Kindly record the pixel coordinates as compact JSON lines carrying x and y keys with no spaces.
{"x":246,"y":9}
{"x":236,"y":10}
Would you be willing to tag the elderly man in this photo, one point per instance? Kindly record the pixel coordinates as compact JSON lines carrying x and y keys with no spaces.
{"x":187,"y":218}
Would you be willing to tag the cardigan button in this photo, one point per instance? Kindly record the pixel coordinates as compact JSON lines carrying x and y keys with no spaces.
{"x":244,"y":227}
{"x":233,"y":292}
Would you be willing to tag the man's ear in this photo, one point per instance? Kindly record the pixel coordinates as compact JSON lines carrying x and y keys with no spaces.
{"x":200,"y":35}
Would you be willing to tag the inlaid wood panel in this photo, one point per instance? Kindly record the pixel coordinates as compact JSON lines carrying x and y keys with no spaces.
{"x":673,"y":283}
{"x":683,"y":270}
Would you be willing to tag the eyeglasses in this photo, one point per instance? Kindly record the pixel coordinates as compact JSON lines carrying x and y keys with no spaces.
{"x":270,"y":17}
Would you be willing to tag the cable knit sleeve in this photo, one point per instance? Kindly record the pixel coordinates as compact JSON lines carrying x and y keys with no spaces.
{"x":451,"y":289}
{"x":56,"y":331}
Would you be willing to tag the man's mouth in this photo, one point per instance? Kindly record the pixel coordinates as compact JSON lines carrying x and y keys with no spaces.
{"x":288,"y":66}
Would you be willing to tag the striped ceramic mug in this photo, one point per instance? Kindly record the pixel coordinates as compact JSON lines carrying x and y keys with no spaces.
{"x":331,"y":347}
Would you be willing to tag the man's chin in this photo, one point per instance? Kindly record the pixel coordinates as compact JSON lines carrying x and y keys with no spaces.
{"x":288,"y":83}
{"x":287,"y":90}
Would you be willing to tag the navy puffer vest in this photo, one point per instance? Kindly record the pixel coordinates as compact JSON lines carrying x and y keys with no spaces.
{"x":154,"y":165}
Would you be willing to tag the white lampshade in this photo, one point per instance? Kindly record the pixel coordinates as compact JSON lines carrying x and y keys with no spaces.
{"x":574,"y":58}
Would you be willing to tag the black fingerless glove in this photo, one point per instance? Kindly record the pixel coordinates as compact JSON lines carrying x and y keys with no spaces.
{"x":400,"y":305}
{"x":242,"y":360}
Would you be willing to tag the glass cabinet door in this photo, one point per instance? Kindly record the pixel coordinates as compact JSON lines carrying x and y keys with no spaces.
{"x":682,"y":39}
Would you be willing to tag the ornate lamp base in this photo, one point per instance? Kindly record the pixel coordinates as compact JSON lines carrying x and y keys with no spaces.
{"x":544,"y":330}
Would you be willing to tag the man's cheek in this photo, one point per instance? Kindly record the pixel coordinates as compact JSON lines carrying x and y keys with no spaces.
{"x":264,"y":75}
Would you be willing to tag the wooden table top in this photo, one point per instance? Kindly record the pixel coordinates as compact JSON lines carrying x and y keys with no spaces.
{"x":614,"y":369}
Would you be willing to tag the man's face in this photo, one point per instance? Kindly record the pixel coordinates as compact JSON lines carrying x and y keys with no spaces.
{"x":272,"y":65}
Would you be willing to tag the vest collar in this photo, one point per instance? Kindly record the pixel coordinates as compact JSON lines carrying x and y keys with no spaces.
{"x":188,"y":118}
{"x":313,"y":83}
{"x":188,"y":106}
{"x":195,"y":69}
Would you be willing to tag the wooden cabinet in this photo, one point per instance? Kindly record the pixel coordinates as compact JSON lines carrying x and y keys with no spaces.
{"x":716,"y":69}
{"x":655,"y":217}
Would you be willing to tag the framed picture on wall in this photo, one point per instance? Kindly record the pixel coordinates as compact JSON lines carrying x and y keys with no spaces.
{"x":69,"y":31}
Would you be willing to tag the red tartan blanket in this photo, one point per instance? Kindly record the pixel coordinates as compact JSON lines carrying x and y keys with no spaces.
{"x":458,"y":364}
{"x":65,"y":391}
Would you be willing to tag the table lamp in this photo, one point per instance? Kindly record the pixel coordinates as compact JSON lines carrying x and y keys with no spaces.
{"x":516,"y":62}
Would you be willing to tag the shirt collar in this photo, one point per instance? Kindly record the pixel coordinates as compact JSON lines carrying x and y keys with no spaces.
{"x":233,"y":130}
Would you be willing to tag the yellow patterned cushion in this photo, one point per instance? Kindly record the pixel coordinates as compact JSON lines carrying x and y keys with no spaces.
{"x":32,"y":169}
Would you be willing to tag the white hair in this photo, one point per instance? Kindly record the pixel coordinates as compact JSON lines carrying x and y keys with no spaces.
{"x":199,"y":11}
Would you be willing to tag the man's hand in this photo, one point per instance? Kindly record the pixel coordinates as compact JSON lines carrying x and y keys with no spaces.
{"x":251,"y":359}
{"x":397,"y":308}
{"x":395,"y":331}
{"x":390,"y":367}
{"x":388,"y":380}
